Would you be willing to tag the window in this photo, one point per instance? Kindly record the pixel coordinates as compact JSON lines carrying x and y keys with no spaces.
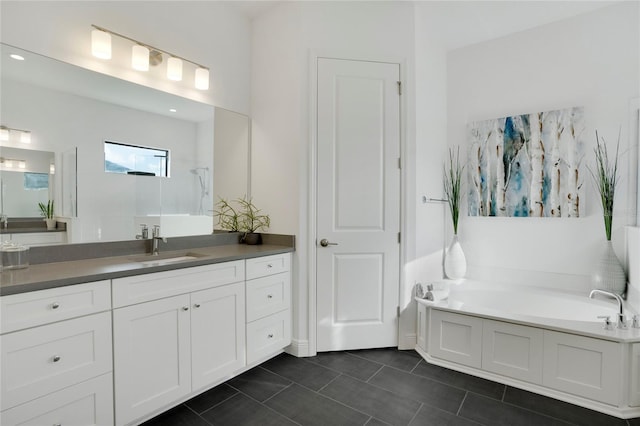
{"x":135,"y":160}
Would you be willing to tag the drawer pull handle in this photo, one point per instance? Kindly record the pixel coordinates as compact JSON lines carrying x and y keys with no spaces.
{"x":55,"y":305}
{"x":269,"y":265}
{"x":55,"y":358}
{"x":270,"y":336}
{"x":269,"y":296}
{"x":57,"y":424}
{"x":185,"y":308}
{"x":197,"y":305}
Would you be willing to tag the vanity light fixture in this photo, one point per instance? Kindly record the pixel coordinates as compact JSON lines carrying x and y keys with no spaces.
{"x":5,"y":134}
{"x":10,"y":163}
{"x":144,"y":55}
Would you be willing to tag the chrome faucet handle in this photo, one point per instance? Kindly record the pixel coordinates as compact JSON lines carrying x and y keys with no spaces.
{"x":608,"y":325}
{"x":636,"y":321}
{"x":156,"y":231}
{"x":622,"y":322}
{"x":429,"y":287}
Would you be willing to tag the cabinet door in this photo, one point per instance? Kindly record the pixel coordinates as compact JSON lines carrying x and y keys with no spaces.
{"x":268,"y":295}
{"x":583,"y":366}
{"x":268,"y":335}
{"x":456,"y":337}
{"x":152,"y":357}
{"x":88,"y":403}
{"x":512,"y":350}
{"x":634,"y":399}
{"x":268,"y":265}
{"x":217,"y":333}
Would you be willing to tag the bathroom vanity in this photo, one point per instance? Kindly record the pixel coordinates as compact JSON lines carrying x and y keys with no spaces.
{"x":143,"y":338}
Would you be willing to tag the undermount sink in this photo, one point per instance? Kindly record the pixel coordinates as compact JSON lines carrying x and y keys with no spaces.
{"x":150,"y":260}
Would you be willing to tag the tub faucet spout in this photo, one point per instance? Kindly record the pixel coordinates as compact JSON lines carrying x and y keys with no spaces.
{"x":622,"y":323}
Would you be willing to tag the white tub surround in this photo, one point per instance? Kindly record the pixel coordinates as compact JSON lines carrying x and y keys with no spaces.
{"x":541,"y":340}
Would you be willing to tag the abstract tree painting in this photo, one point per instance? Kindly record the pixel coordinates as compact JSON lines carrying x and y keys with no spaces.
{"x":527,"y":165}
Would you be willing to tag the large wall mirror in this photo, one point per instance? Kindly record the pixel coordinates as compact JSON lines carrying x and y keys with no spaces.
{"x":70,"y":112}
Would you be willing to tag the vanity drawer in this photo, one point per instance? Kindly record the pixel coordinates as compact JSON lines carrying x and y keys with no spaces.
{"x":87,"y":403}
{"x":268,"y":295}
{"x":157,"y":285}
{"x":268,"y":265}
{"x":44,"y":359}
{"x":45,"y":306}
{"x":268,"y":335}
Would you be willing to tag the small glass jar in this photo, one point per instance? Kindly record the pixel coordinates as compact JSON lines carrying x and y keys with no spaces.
{"x":13,"y":256}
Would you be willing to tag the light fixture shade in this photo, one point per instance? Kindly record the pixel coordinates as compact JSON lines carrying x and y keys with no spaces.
{"x":25,"y":137}
{"x":100,"y":44}
{"x":4,"y":134}
{"x":202,"y":79}
{"x":22,"y":164}
{"x":140,"y":58}
{"x":174,"y":69}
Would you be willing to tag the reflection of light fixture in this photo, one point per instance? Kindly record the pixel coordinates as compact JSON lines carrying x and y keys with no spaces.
{"x":22,"y":164}
{"x":5,"y":134}
{"x":16,"y":57}
{"x":143,"y":55}
{"x":10,"y":163}
{"x":140,"y":58}
{"x":101,"y":44}
{"x":52,"y":169}
{"x":174,"y":69}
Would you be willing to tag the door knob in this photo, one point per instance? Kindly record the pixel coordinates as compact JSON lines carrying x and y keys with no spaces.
{"x":324,"y":243}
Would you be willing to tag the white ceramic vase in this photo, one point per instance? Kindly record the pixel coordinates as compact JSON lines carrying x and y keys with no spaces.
{"x":455,"y":263}
{"x":609,"y":274}
{"x":51,"y":224}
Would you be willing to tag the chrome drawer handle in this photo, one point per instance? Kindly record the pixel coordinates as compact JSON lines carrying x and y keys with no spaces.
{"x":185,"y":308}
{"x":55,"y":305}
{"x":57,"y":424}
{"x":197,"y":305}
{"x":270,"y":336}
{"x":56,"y":358}
{"x":269,"y":265}
{"x":269,"y":296}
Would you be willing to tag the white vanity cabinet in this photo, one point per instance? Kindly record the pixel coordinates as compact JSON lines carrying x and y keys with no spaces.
{"x":634,"y":399}
{"x":56,"y":350}
{"x":268,"y":306}
{"x":168,"y":348}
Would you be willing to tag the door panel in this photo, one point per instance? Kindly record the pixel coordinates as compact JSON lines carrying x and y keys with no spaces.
{"x":358,"y":204}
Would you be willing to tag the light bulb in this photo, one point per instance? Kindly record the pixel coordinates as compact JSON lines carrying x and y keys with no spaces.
{"x":52,"y":169}
{"x":4,"y":134}
{"x":22,"y":164}
{"x":202,"y":79}
{"x":101,"y":44}
{"x":140,"y":58}
{"x":25,"y":137}
{"x":8,"y":164}
{"x":174,"y":69}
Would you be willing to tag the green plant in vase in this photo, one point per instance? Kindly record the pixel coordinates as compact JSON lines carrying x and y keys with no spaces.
{"x":455,"y":263}
{"x":227,"y":216}
{"x":251,"y":220}
{"x":47,"y":211}
{"x":609,"y":274}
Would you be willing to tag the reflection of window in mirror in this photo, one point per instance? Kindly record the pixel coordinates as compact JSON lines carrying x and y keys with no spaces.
{"x":135,"y":160}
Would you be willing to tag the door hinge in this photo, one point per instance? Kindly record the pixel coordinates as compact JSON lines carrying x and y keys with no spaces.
{"x":399,"y":237}
{"x":399,"y":163}
{"x":399,"y":88}
{"x":398,"y":311}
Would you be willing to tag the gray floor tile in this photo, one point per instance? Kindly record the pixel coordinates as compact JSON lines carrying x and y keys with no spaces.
{"x":178,"y":416}
{"x":402,"y":360}
{"x":241,"y":410}
{"x":431,"y":416}
{"x":460,"y":380}
{"x":210,"y":398}
{"x":369,"y":399}
{"x":259,"y":383}
{"x":488,"y":411}
{"x":347,"y":363}
{"x":300,"y":371}
{"x":375,"y":422}
{"x":312,"y":409}
{"x":558,"y":409}
{"x":430,"y":392}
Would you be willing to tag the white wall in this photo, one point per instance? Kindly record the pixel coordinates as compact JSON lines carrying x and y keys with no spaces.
{"x":591,"y":61}
{"x":285,"y":39}
{"x":209,"y":32}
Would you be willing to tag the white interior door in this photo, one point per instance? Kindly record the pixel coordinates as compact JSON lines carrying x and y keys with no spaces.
{"x":358,"y":204}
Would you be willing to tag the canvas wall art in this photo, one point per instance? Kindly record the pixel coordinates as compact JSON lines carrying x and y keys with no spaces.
{"x":528,"y":165}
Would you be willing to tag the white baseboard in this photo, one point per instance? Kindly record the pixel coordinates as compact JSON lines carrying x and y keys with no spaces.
{"x":408,"y":341}
{"x":299,"y":348}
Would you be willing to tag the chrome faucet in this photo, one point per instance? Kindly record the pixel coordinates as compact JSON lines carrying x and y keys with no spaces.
{"x":144,"y":232}
{"x":622,"y":323}
{"x":156,"y":239}
{"x":5,"y":220}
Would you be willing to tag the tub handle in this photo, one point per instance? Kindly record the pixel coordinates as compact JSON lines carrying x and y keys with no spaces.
{"x":608,"y":325}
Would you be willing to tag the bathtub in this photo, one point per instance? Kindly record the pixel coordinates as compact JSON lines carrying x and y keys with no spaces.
{"x":538,"y":339}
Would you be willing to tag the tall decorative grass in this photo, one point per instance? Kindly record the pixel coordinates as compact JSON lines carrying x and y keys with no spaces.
{"x":606,"y":178}
{"x":453,"y":186}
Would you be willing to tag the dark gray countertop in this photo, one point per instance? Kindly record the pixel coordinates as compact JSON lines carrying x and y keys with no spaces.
{"x":59,"y":274}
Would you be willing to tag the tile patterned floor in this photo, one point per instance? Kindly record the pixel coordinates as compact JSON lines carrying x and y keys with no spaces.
{"x":371,"y":387}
